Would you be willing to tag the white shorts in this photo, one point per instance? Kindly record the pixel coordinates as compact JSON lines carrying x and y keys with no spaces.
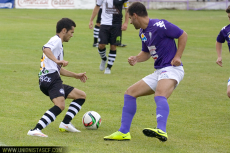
{"x":228,"y":82}
{"x":170,"y":72}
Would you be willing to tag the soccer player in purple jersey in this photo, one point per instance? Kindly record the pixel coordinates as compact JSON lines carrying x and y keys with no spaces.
{"x":157,"y":42}
{"x":223,"y":35}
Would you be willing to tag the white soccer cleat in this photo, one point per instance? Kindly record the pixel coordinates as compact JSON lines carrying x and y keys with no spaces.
{"x":95,"y":45}
{"x":107,"y":71}
{"x":37,"y":133}
{"x":102,"y":65}
{"x":67,"y":128}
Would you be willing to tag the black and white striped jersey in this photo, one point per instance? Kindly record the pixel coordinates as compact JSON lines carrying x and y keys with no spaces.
{"x":112,"y":11}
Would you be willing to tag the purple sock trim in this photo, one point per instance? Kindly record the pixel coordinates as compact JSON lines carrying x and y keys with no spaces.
{"x":128,"y":112}
{"x":162,"y":112}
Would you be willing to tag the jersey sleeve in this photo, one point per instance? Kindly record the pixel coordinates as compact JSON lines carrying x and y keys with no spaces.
{"x":144,"y":47}
{"x":99,"y":2}
{"x":220,"y":38}
{"x":126,"y":4}
{"x":52,"y":44}
{"x":172,"y":30}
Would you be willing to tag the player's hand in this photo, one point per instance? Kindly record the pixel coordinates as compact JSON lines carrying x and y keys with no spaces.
{"x":124,"y":27}
{"x":219,"y":61}
{"x":62,"y":63}
{"x":91,"y":24}
{"x":176,"y":61}
{"x":132,"y":60}
{"x":82,"y":77}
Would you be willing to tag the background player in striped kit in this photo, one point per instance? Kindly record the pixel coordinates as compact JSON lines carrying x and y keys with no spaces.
{"x":97,"y":29}
{"x":50,"y":83}
{"x":110,"y":29}
{"x":222,"y":36}
{"x":158,"y":41}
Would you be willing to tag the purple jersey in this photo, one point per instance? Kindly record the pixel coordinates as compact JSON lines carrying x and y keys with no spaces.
{"x":158,"y":40}
{"x":224,"y":35}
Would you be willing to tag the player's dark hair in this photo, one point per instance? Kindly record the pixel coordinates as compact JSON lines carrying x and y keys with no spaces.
{"x":228,"y":9}
{"x":65,"y":23}
{"x":138,"y":8}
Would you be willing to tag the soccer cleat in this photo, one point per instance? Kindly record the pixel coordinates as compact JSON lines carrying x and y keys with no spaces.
{"x":157,"y":133}
{"x":118,"y":136}
{"x":107,"y":71}
{"x":67,"y":127}
{"x":37,"y":133}
{"x":95,"y":45}
{"x":102,"y":65}
{"x":121,"y":45}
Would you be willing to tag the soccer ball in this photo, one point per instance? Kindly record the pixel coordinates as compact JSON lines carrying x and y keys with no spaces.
{"x":91,"y":120}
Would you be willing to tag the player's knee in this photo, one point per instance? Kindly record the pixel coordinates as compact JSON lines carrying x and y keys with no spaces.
{"x":83,"y":95}
{"x":60,"y":102}
{"x":113,"y":47}
{"x":127,"y":92}
{"x":80,"y":95}
{"x":228,"y":93}
{"x":61,"y":106}
{"x":101,"y":46}
{"x":130,"y":92}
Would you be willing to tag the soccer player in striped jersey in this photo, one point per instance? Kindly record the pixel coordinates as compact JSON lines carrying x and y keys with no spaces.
{"x":222,"y":36}
{"x":110,"y":29}
{"x":158,"y":41}
{"x":97,"y":29}
{"x":51,"y":85}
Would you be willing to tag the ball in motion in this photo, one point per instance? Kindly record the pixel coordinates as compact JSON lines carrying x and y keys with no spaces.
{"x":91,"y":120}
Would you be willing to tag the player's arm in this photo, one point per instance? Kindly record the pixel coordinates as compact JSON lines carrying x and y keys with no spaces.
{"x":219,"y":51}
{"x":141,"y":57}
{"x":95,"y":12}
{"x":51,"y":56}
{"x":176,"y":61}
{"x":80,"y":76}
{"x":125,"y":24}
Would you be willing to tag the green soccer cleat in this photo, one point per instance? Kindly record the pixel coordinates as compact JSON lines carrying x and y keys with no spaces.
{"x":157,"y":133}
{"x":118,"y":136}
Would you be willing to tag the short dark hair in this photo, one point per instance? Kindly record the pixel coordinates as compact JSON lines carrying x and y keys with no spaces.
{"x":65,"y":23}
{"x":228,"y":9}
{"x":138,"y":8}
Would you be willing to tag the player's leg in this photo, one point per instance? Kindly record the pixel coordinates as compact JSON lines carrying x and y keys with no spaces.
{"x":129,"y":109}
{"x":168,"y":79}
{"x":115,"y":33}
{"x":56,"y":94}
{"x":78,"y":97}
{"x":111,"y":58}
{"x":103,"y":41}
{"x":164,"y":89}
{"x":96,"y":34}
{"x":97,"y":29}
{"x":119,"y":44}
{"x":49,"y":116}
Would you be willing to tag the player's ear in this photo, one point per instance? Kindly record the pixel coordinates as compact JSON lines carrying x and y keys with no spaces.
{"x":64,"y":30}
{"x":135,"y":15}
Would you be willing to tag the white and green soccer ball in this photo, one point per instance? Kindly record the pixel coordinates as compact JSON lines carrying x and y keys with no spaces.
{"x":91,"y":120}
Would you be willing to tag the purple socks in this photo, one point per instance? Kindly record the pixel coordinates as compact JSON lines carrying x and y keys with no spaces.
{"x":130,"y":107}
{"x":162,"y":112}
{"x":128,"y":112}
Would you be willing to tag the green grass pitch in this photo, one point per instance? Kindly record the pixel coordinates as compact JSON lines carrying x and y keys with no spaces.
{"x":199,"y":119}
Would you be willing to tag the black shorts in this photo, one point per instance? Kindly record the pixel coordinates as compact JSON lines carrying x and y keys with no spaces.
{"x":99,"y":16}
{"x":110,"y":34}
{"x":51,"y":85}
